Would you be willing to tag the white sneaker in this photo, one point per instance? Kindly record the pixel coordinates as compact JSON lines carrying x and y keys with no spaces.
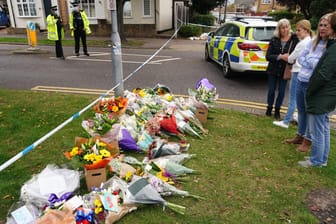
{"x":295,"y":117}
{"x":305,"y":163}
{"x":308,"y":158}
{"x":280,"y":124}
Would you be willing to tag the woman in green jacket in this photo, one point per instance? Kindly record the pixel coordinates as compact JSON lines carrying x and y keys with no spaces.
{"x":321,"y":100}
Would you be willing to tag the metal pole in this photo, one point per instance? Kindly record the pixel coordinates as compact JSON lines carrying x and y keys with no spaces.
{"x":225,"y":11}
{"x":117,"y":73}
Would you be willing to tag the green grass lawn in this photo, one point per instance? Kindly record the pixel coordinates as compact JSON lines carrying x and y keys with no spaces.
{"x":247,"y":175}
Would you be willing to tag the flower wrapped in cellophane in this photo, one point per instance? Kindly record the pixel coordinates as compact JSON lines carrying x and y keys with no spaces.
{"x":91,"y":153}
{"x":166,"y":189}
{"x":172,"y":167}
{"x":161,"y":147}
{"x":139,"y":191}
{"x":100,"y":124}
{"x":204,"y":92}
{"x":113,"y":105}
{"x":107,"y":202}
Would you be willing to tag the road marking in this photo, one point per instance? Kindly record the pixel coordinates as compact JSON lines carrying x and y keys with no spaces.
{"x":103,"y":54}
{"x":75,"y":58}
{"x":240,"y":103}
{"x":162,"y":60}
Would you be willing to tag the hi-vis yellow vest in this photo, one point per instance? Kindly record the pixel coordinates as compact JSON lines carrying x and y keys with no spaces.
{"x":85,"y":22}
{"x":52,"y":27}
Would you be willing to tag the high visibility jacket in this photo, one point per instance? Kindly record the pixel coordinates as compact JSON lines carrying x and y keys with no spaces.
{"x":86,"y":23}
{"x":52,"y":27}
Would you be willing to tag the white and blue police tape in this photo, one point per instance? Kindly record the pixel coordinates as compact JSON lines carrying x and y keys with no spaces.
{"x":76,"y":115}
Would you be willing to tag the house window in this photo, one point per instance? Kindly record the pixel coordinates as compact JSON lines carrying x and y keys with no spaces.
{"x":89,"y":7}
{"x":147,"y":7}
{"x":128,"y":9}
{"x":26,"y":7}
{"x":266,"y":1}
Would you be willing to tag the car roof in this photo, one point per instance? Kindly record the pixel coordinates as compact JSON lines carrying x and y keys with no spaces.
{"x":253,"y":21}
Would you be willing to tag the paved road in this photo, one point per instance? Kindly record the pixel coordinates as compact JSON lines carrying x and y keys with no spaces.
{"x":179,"y":65}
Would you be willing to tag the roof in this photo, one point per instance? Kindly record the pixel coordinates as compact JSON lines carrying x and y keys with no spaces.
{"x":254,"y":20}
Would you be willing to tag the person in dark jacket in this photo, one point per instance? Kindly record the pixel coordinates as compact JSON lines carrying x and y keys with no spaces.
{"x":283,"y":42}
{"x":79,"y":27}
{"x":321,"y":100}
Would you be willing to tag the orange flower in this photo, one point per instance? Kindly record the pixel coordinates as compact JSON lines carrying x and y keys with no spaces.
{"x":115,"y":109}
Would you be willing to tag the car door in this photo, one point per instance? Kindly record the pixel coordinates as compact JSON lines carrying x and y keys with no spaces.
{"x":216,"y":40}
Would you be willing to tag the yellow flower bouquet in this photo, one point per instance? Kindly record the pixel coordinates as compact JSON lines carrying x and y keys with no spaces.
{"x":92,"y":153}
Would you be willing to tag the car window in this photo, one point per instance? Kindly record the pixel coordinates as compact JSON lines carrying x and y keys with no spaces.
{"x":259,"y":33}
{"x":222,"y":30}
{"x":233,"y":31}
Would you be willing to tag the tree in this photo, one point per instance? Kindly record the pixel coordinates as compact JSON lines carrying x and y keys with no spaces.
{"x":303,"y":4}
{"x":311,"y":9}
{"x":321,"y":7}
{"x":204,"y":6}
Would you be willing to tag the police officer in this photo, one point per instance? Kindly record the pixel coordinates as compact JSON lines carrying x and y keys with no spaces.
{"x":55,"y":31}
{"x":79,"y":27}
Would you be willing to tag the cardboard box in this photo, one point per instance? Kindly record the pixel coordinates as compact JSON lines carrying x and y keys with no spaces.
{"x":94,"y":178}
{"x":202,"y":114}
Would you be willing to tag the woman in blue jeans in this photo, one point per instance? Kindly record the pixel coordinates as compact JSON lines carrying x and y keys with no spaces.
{"x":321,"y":100}
{"x":282,"y":42}
{"x":304,"y":33}
{"x":308,"y":59}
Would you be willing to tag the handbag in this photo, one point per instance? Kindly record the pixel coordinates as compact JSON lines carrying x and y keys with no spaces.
{"x":288,"y":72}
{"x":288,"y":68}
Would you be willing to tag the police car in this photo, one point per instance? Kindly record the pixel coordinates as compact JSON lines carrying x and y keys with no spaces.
{"x":240,"y":45}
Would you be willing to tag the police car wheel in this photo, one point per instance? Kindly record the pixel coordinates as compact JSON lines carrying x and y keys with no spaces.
{"x":206,"y":53}
{"x":226,"y":66}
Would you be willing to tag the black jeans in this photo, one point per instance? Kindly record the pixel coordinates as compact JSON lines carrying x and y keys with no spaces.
{"x":80,"y":34}
{"x":58,"y":45}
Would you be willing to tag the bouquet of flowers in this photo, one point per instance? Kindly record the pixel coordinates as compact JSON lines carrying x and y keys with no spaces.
{"x":205,"y":92}
{"x":140,"y":191}
{"x":100,"y":124}
{"x":92,"y":153}
{"x":113,"y":105}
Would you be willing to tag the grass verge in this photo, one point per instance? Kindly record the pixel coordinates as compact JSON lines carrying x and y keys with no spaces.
{"x":247,"y":174}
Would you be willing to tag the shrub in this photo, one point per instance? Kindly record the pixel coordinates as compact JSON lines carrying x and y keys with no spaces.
{"x":207,"y":19}
{"x":277,"y":15}
{"x":190,"y":30}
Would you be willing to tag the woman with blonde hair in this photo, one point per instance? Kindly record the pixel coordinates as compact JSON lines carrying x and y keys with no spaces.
{"x":304,"y":33}
{"x":308,"y":59}
{"x":283,"y":42}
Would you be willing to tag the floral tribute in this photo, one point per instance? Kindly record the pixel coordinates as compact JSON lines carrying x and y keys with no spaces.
{"x":153,"y":115}
{"x":114,"y":105}
{"x":205,"y":92}
{"x":91,"y":153}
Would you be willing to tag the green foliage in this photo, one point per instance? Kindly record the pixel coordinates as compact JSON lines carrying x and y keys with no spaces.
{"x":322,"y":7}
{"x":190,"y":31}
{"x":277,"y":15}
{"x":203,"y":6}
{"x":207,"y":19}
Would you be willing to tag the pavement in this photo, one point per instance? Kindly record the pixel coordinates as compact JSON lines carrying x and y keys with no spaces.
{"x":148,"y":43}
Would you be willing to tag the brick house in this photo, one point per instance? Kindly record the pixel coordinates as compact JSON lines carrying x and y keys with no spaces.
{"x":141,"y":17}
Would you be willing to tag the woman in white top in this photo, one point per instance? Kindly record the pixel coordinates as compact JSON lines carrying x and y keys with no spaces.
{"x":304,"y":33}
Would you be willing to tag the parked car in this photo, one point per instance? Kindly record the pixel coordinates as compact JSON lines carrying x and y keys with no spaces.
{"x":240,"y":45}
{"x":4,"y":19}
